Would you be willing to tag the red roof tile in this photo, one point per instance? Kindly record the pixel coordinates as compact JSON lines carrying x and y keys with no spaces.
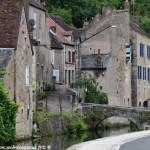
{"x":76,"y":32}
{"x":10,"y":16}
{"x":55,"y":43}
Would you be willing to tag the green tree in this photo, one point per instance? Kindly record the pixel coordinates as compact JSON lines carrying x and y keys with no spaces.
{"x":90,"y":86}
{"x":64,"y":14}
{"x":8,"y":111}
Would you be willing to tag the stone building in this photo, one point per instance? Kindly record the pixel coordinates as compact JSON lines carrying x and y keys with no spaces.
{"x":103,"y":47}
{"x":116,"y":51}
{"x":16,"y":58}
{"x":140,"y":64}
{"x":64,"y":68}
{"x":42,"y":65}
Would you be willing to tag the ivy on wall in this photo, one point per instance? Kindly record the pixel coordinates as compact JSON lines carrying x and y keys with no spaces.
{"x":8,"y":111}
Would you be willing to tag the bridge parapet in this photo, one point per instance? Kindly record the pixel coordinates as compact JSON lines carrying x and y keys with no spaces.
{"x":139,"y":116}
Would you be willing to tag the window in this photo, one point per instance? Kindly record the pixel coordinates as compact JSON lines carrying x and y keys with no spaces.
{"x":148,"y":74}
{"x":101,"y":87}
{"x":73,"y":57}
{"x":140,"y":72}
{"x":142,"y":46}
{"x":148,"y":51}
{"x":69,"y":56}
{"x":27,"y":75}
{"x":144,"y":73}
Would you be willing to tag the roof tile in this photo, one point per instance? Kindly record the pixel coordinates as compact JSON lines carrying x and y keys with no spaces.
{"x":10,"y":16}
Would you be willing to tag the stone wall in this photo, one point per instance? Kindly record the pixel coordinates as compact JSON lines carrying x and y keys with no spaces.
{"x":16,"y":84}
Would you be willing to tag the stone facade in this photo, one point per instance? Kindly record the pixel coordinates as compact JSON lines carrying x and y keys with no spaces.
{"x":65,"y":65}
{"x":41,"y":44}
{"x":140,"y":78}
{"x":19,"y":83}
{"x":109,"y":35}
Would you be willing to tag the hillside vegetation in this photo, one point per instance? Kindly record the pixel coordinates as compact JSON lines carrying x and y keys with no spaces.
{"x":75,"y":11}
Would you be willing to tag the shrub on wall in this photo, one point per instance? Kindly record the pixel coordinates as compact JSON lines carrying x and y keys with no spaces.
{"x":8,"y":111}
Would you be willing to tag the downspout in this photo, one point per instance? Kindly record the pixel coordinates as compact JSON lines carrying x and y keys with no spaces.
{"x":15,"y":75}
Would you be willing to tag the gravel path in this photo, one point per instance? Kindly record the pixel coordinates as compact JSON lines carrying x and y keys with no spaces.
{"x":110,"y":143}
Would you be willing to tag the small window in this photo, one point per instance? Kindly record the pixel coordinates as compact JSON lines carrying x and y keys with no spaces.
{"x":69,"y":56}
{"x":28,"y":113}
{"x":101,"y":87}
{"x":27,"y":76}
{"x":142,"y":47}
{"x":73,"y":57}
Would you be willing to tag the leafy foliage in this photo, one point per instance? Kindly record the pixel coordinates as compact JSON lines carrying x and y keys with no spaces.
{"x":90,"y":86}
{"x":78,"y":10}
{"x":73,"y":123}
{"x":8,"y":111}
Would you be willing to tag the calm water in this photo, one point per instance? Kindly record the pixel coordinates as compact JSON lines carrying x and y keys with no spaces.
{"x":63,"y":142}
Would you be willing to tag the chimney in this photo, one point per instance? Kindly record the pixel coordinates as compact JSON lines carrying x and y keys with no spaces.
{"x":86,"y":22}
{"x":136,"y":18}
{"x":106,"y":10}
{"x":31,"y":28}
{"x":53,"y":28}
{"x":126,"y":4}
{"x":99,"y":58}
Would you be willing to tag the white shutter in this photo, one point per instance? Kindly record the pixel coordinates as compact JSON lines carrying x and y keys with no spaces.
{"x":34,"y":17}
{"x":27,"y":77}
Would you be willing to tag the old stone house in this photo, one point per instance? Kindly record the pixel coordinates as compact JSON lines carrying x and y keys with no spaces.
{"x":36,"y":14}
{"x":115,"y":50}
{"x":140,"y":64}
{"x":103,"y":54}
{"x":16,"y":58}
{"x":64,"y":68}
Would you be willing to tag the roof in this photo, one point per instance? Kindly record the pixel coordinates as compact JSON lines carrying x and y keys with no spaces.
{"x":10,"y":16}
{"x":64,"y":40}
{"x":76,"y":32}
{"x":37,"y":4}
{"x":138,"y":29}
{"x":55,"y":42}
{"x":94,"y":61}
{"x":4,"y":59}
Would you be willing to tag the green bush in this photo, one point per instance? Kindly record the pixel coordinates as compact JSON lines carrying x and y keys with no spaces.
{"x":49,"y":87}
{"x":42,"y":95}
{"x":73,"y":123}
{"x":8,"y":112}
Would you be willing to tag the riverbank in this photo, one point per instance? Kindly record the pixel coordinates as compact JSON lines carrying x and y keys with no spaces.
{"x":110,"y":143}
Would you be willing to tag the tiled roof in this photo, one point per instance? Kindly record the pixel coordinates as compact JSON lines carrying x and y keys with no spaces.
{"x":138,"y":29}
{"x":4,"y":58}
{"x":61,"y":23}
{"x":76,"y":32}
{"x":37,"y":4}
{"x":10,"y":16}
{"x":93,"y":61}
{"x":55,"y":42}
{"x":65,"y":40}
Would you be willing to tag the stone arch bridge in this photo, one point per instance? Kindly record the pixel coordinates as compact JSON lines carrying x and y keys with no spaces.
{"x":139,"y":116}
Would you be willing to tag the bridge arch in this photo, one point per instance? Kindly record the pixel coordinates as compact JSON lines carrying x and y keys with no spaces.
{"x":123,"y":116}
{"x":135,"y":115}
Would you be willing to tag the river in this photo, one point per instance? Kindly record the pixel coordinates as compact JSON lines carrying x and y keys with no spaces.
{"x":63,"y":142}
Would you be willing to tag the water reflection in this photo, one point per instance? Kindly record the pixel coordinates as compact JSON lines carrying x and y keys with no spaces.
{"x":63,"y":142}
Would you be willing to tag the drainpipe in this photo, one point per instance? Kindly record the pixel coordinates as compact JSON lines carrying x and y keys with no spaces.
{"x":64,"y":63}
{"x":15,"y":75}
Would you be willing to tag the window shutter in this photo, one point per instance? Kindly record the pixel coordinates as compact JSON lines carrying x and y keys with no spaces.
{"x":27,"y":78}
